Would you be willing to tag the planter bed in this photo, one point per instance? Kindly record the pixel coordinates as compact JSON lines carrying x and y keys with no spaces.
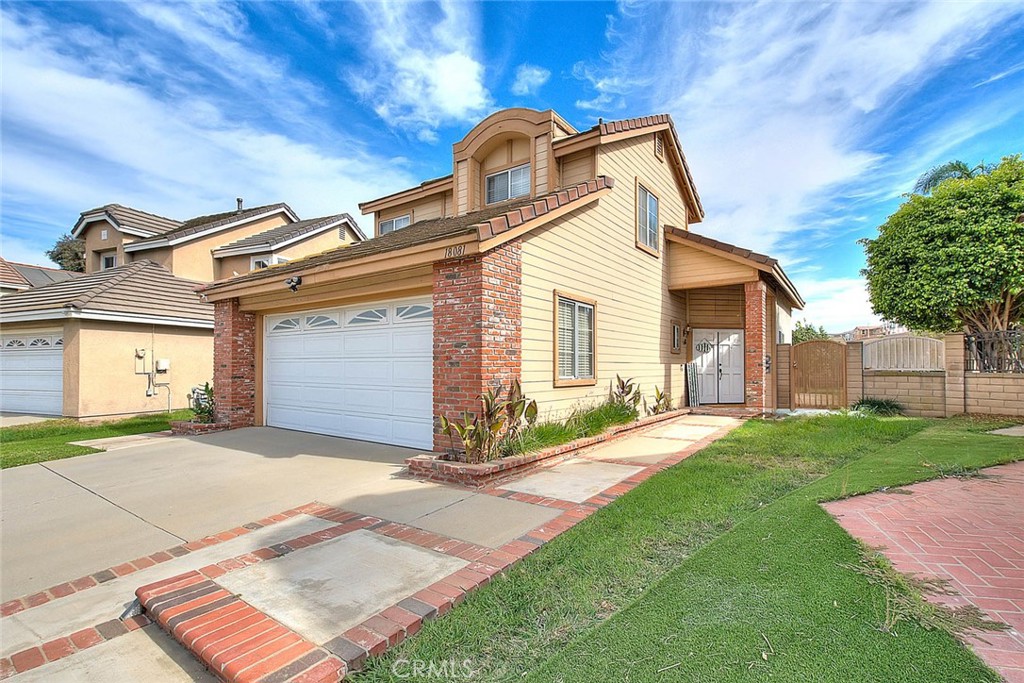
{"x":477,"y":475}
{"x":187,"y":428}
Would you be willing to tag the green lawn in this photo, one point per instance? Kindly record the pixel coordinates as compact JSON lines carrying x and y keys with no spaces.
{"x":721,"y":568}
{"x":48,"y":440}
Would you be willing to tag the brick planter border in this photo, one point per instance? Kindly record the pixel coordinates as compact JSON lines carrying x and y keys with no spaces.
{"x":477,"y":475}
{"x":189,"y":428}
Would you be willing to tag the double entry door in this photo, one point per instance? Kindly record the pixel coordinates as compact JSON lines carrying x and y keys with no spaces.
{"x":719,"y":358}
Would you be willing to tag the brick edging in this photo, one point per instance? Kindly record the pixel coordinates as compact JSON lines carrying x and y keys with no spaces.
{"x":189,"y":428}
{"x":65,"y":646}
{"x":73,"y":586}
{"x":233,"y":639}
{"x":476,"y":475}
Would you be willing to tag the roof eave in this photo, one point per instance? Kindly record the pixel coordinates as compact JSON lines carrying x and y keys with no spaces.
{"x":171,"y":242}
{"x":408,"y":194}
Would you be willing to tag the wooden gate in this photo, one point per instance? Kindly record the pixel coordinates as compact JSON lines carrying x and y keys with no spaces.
{"x":819,"y":374}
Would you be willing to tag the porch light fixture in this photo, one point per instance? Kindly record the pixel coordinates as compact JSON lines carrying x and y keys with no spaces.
{"x":293,"y":282}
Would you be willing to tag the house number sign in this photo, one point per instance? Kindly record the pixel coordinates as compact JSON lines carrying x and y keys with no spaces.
{"x":704,"y":346}
{"x":455,"y":252}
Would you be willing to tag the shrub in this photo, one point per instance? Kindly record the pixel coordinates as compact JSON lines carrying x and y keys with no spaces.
{"x":480,"y":433}
{"x":879,"y":406}
{"x":662,"y":403}
{"x":580,"y":424}
{"x":625,"y":392}
{"x":202,"y":404}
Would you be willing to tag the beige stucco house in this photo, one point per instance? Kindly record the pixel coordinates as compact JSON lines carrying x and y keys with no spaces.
{"x":555,"y":256}
{"x":93,"y":346}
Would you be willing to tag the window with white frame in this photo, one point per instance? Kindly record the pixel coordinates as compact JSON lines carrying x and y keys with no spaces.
{"x":574,"y":342}
{"x":392,"y":224}
{"x":508,"y":184}
{"x":677,"y":336}
{"x":108,"y":261}
{"x":647,"y":218}
{"x":265,"y":261}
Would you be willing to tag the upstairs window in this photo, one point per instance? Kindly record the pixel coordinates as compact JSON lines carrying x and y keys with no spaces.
{"x":108,"y":261}
{"x":515,"y":182}
{"x":647,"y":219}
{"x":574,"y":342}
{"x":392,"y":224}
{"x":265,"y":261}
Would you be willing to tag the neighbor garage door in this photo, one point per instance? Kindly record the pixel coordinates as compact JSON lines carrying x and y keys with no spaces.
{"x":32,"y":373}
{"x":362,"y":372}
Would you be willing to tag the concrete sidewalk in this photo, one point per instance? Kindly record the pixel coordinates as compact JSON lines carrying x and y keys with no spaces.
{"x":350,"y":575}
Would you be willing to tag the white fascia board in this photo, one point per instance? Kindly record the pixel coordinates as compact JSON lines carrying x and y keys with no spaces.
{"x":267,"y":247}
{"x":107,"y":316}
{"x":141,"y":246}
{"x":93,"y":217}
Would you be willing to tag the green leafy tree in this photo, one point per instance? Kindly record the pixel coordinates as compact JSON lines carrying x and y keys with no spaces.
{"x":953,"y":260}
{"x":804,"y":331}
{"x":68,"y":253}
{"x":955,"y":169}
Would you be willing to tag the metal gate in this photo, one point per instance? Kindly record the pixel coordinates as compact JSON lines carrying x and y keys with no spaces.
{"x":819,"y":374}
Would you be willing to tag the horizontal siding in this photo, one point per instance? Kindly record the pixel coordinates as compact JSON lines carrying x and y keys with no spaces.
{"x":689,"y":267}
{"x":577,"y":167}
{"x":592,"y":253}
{"x":716,"y":307}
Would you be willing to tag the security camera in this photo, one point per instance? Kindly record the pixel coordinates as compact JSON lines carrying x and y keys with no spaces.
{"x":293,"y":282}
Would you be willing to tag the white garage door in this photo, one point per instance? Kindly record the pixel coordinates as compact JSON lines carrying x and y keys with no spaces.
{"x":362,"y":372}
{"x":32,"y":373}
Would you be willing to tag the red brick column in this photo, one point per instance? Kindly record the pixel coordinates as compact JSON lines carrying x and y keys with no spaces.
{"x":234,"y":364}
{"x":755,"y":343}
{"x":478,"y":324}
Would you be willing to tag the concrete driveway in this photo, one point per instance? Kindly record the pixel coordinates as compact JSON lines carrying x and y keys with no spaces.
{"x":68,"y":518}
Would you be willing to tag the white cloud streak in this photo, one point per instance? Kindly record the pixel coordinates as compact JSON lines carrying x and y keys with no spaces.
{"x":422,"y":68}
{"x":774,"y":103}
{"x":529,"y":79}
{"x":77,"y":135}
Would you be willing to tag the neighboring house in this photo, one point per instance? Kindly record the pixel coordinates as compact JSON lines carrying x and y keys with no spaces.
{"x":557,"y":257}
{"x":137,"y":304}
{"x":208,"y":248}
{"x":129,"y":339}
{"x":17,"y":277}
{"x":870,"y":332}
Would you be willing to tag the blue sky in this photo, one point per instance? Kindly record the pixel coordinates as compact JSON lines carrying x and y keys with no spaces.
{"x":803,"y":122}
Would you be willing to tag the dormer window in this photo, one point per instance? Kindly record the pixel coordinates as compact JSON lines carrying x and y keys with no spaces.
{"x":392,"y":224}
{"x":508,"y":184}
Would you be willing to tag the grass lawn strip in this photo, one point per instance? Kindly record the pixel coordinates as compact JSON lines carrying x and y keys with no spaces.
{"x":772,"y":599}
{"x":43,"y":441}
{"x":605,"y":563}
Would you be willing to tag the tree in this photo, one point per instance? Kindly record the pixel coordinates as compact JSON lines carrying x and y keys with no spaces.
{"x":953,"y":260}
{"x":804,"y":331}
{"x":950,"y":170}
{"x":68,"y":253}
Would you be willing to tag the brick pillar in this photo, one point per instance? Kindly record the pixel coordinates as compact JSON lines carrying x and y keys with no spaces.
{"x":955,"y":359}
{"x":755,"y":343}
{"x":478,"y":323}
{"x":234,"y":364}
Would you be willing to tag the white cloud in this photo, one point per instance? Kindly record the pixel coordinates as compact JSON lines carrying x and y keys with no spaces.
{"x":837,"y":304}
{"x":771,"y":99}
{"x":78,"y":136}
{"x":422,"y":67}
{"x":529,"y":79}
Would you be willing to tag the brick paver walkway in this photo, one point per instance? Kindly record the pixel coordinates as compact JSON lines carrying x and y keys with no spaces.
{"x":968,"y":531}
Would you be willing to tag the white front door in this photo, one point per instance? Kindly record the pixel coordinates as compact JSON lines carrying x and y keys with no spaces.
{"x":362,"y":372}
{"x":32,"y":373}
{"x":719,"y":358}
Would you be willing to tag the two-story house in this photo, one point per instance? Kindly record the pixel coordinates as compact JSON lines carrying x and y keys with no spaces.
{"x":558,"y":257}
{"x":132,"y":334}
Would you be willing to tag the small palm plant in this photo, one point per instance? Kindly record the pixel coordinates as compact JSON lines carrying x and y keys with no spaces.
{"x":480,"y":433}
